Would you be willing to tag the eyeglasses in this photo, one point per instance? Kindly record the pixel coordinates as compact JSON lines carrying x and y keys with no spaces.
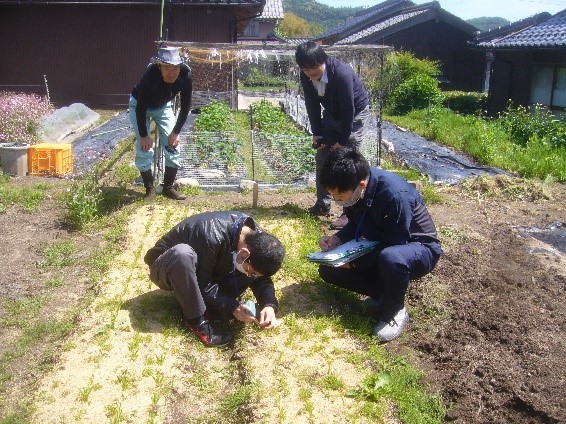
{"x":253,"y":274}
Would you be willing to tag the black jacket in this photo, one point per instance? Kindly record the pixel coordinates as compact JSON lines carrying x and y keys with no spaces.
{"x":152,"y":92}
{"x":214,"y":236}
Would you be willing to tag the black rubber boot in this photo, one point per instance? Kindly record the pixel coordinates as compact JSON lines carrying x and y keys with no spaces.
{"x":147,"y":178}
{"x":168,"y":189}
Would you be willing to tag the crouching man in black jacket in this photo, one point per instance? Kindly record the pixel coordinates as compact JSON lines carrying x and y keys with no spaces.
{"x":208,"y":260}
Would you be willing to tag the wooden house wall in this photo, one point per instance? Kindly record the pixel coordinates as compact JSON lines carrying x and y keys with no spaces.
{"x":511,"y":75}
{"x":94,"y":54}
{"x":463,"y":67}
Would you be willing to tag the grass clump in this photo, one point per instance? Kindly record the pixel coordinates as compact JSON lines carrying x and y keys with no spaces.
{"x":533,"y":149}
{"x":29,"y":198}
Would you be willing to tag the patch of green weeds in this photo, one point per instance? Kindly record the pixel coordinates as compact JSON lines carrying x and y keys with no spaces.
{"x":19,"y":414}
{"x":58,"y":254}
{"x":125,"y":174}
{"x":29,"y":198}
{"x":502,"y":186}
{"x":330,"y":382}
{"x":54,"y":282}
{"x":114,"y":413}
{"x":22,"y":313}
{"x":305,"y":396}
{"x":403,"y":385}
{"x":191,"y":191}
{"x":455,"y":235}
{"x":234,"y":404}
{"x":85,"y":392}
{"x":125,"y":381}
{"x":134,"y":345}
{"x":83,"y":201}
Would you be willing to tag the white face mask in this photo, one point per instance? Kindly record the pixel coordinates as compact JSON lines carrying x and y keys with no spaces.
{"x":353,"y":200}
{"x":239,"y":267}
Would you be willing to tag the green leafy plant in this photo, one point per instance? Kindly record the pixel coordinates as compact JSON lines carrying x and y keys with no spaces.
{"x":522,"y":125}
{"x":83,"y":201}
{"x":289,"y":147}
{"x":417,"y":92}
{"x":259,"y":78}
{"x":465,"y":103}
{"x":214,"y":117}
{"x":214,"y":137}
{"x":398,"y":67}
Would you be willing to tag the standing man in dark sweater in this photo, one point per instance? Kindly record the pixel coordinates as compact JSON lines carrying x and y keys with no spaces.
{"x":333,"y":86}
{"x":380,"y":206}
{"x":152,"y":99}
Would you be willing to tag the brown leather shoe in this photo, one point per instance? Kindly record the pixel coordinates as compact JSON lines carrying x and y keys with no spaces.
{"x":340,"y":222}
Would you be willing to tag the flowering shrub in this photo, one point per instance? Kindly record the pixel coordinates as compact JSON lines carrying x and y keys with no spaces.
{"x":19,"y":116}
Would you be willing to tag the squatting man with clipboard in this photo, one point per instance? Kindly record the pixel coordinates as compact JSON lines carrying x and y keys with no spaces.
{"x":209,"y":260}
{"x":380,"y":206}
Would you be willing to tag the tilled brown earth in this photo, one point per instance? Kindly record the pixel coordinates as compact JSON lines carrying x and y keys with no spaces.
{"x":499,"y":357}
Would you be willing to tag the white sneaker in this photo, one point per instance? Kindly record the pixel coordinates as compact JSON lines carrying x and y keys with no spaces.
{"x":387,"y":331}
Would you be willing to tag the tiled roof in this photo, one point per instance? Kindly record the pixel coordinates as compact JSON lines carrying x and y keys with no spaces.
{"x":550,"y":33}
{"x":393,"y":16}
{"x":513,"y":27}
{"x":365,"y":15}
{"x":379,"y":27}
{"x":273,"y":9}
{"x":298,"y":41}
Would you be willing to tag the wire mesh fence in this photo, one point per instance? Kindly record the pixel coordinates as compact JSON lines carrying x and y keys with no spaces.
{"x":226,"y":158}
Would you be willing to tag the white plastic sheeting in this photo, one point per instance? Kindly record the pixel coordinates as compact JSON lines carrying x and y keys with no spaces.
{"x":66,"y":120}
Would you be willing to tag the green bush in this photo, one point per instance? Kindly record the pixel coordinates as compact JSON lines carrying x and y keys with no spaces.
{"x":417,"y":92}
{"x":397,"y":68}
{"x":257,"y":78}
{"x":464,"y":102}
{"x":522,"y":125}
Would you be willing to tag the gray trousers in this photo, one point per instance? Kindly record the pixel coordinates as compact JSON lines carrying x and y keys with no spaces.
{"x":331,"y":131}
{"x":174,"y":270}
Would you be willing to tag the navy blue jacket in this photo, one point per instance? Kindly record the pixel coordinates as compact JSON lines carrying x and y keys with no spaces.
{"x":392,"y":212}
{"x":344,"y":98}
{"x":152,"y":92}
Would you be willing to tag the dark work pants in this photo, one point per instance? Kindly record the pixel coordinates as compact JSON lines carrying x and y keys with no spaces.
{"x":389,"y":279}
{"x":174,"y":270}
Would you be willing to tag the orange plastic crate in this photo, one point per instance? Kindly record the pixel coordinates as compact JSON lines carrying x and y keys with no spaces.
{"x":50,"y":159}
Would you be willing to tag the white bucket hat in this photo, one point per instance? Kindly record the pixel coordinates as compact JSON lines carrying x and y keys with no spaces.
{"x":169,"y":55}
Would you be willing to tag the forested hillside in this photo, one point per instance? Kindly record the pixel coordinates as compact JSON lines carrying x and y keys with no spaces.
{"x":484,"y":23}
{"x":325,"y":17}
{"x":318,"y":13}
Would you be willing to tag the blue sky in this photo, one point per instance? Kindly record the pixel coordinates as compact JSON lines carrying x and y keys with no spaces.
{"x":512,"y":10}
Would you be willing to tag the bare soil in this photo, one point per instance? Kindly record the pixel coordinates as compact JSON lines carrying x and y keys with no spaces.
{"x":498,"y":357}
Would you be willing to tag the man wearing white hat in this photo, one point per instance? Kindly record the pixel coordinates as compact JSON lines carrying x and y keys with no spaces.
{"x":152,"y":98}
